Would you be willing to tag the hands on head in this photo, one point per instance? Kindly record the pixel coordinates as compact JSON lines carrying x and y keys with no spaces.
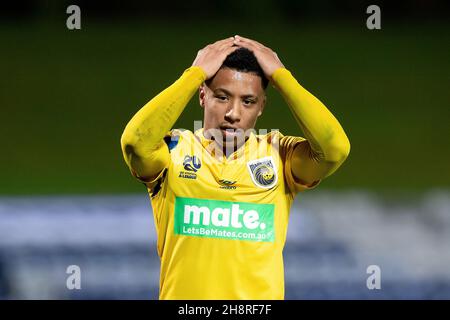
{"x":211,"y":57}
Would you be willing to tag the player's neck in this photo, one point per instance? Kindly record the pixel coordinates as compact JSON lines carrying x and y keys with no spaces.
{"x":229,"y":149}
{"x":223,"y":148}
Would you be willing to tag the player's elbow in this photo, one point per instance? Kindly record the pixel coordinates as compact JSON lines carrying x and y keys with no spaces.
{"x":339,"y":150}
{"x":344,"y":147}
{"x":128,"y":143}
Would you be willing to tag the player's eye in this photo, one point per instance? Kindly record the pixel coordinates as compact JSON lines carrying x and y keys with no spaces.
{"x":222,"y":98}
{"x":249,"y":101}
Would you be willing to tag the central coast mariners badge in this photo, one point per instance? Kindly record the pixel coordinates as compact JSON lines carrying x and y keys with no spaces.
{"x":263,"y":172}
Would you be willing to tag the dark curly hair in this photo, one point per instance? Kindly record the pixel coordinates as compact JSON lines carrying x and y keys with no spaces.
{"x":244,"y":60}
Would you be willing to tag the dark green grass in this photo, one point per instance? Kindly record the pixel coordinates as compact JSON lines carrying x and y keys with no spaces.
{"x":66,"y":96}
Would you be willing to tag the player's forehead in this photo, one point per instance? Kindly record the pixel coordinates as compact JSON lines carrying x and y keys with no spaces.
{"x":235,"y":81}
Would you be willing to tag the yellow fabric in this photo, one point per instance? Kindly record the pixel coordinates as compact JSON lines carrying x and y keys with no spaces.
{"x":207,"y":267}
{"x":327,"y":146}
{"x":143,"y":147}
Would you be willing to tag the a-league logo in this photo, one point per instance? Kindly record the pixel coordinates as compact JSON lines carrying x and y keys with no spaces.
{"x":191,"y":163}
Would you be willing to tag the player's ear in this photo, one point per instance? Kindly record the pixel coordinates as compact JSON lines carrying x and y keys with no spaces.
{"x":201,"y":95}
{"x":263,"y":104}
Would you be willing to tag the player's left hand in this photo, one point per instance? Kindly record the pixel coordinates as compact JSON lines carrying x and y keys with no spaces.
{"x":267,"y":58}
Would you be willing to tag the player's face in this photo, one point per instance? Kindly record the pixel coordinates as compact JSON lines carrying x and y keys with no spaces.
{"x":233,"y":100}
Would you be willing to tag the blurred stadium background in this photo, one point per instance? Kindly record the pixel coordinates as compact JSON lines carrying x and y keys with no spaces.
{"x":67,"y":198}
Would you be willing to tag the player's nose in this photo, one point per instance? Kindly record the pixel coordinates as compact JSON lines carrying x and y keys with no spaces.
{"x":234,"y":112}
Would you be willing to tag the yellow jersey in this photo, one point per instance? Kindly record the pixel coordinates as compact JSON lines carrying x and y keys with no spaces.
{"x":221,"y":222}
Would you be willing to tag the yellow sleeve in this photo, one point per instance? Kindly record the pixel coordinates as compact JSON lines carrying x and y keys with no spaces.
{"x":287,"y":147}
{"x":142,"y":142}
{"x":326,"y":145}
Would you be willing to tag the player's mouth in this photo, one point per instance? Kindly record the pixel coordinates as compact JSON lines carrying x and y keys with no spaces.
{"x":230,"y":131}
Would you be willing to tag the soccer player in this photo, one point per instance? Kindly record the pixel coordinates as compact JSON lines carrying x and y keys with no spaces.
{"x":221,"y":195}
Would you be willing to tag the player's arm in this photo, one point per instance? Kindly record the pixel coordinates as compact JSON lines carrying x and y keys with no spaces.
{"x":142,"y":142}
{"x":326,"y":146}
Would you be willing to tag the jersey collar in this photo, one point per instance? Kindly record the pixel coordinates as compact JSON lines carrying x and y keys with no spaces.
{"x":207,"y":144}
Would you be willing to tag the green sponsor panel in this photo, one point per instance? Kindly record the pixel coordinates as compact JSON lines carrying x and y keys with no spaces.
{"x":224,"y":219}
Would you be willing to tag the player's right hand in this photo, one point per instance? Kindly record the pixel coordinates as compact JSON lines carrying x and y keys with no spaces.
{"x":211,"y":57}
